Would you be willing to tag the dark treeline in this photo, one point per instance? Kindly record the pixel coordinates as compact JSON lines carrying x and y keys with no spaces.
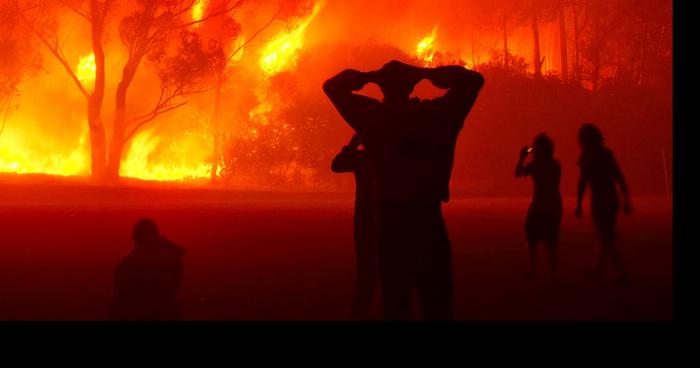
{"x":513,"y":107}
{"x":616,"y":72}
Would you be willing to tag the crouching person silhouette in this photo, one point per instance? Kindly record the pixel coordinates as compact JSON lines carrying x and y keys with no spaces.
{"x":410,"y":149}
{"x":147,"y":280}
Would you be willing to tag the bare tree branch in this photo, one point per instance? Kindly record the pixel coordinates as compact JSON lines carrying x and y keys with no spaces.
{"x":236,"y":5}
{"x":256,"y":34}
{"x":57,"y":52}
{"x":76,"y":10}
{"x":150,"y":118}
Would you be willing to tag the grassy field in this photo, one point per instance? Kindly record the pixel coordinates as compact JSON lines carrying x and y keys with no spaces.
{"x":289,"y":256}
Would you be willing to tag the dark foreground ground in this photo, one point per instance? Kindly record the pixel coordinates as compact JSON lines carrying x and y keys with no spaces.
{"x":290,"y":256}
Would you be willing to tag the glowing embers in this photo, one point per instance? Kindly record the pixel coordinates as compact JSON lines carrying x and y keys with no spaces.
{"x":86,"y":70}
{"x":150,"y":158}
{"x":280,"y":54}
{"x":425,"y":49}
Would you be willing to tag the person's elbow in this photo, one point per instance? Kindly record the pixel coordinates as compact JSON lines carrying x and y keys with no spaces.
{"x":473,"y":80}
{"x":471,"y":76}
{"x":337,"y":166}
{"x":479,"y":79}
{"x":339,"y":82}
{"x":329,"y":87}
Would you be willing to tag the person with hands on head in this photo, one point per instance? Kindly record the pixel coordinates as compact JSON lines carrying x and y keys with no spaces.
{"x":410,"y":147}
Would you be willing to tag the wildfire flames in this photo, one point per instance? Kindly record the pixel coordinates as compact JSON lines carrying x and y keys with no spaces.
{"x":425,"y":49}
{"x":281,"y":53}
{"x":143,"y":162}
{"x":45,"y":127}
{"x":27,"y":154}
{"x":86,"y":70}
{"x":198,"y":10}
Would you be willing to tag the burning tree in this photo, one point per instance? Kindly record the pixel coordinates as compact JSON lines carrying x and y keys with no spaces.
{"x":39,"y":16}
{"x":148,"y":32}
{"x":17,"y":56}
{"x":266,"y":146}
{"x":225,"y":31}
{"x":165,"y":34}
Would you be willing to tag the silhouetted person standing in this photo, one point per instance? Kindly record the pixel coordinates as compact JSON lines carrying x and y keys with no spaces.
{"x":600,"y":170}
{"x":353,"y":159}
{"x":544,"y":215}
{"x":410,"y":146}
{"x":147,"y":280}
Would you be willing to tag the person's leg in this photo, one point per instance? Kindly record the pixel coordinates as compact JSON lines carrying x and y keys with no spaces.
{"x":617,"y":262}
{"x":531,"y":235}
{"x":601,"y":255}
{"x":532,"y":257}
{"x":601,"y":221}
{"x":613,"y":250}
{"x":396,"y":289}
{"x":552,"y":254}
{"x":394,"y":260}
{"x":366,"y":271}
{"x":435,"y":283}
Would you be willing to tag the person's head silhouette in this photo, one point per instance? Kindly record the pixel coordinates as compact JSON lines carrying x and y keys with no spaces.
{"x":397,"y":80}
{"x":145,"y":231}
{"x":543,"y":147}
{"x":590,"y":137}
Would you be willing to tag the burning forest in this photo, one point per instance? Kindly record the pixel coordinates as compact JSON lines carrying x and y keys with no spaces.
{"x":228,"y":93}
{"x":141,"y":138}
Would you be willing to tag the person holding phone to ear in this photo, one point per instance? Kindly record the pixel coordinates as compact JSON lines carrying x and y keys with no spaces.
{"x":410,"y":145}
{"x":544,"y":215}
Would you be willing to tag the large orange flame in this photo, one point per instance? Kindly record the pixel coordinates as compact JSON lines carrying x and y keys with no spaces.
{"x":425,"y":48}
{"x":198,"y":9}
{"x":86,"y":70}
{"x":143,"y":162}
{"x":23,"y":153}
{"x":280,"y":54}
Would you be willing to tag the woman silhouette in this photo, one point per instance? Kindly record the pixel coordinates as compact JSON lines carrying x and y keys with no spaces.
{"x":600,"y":169}
{"x":544,"y":215}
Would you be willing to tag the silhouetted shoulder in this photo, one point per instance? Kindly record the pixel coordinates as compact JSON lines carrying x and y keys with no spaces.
{"x":172,"y":247}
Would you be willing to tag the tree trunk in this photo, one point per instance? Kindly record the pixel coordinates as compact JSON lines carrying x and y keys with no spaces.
{"x":536,"y":42}
{"x":574,"y":12}
{"x":98,"y":144}
{"x":216,"y":150}
{"x":563,"y":43}
{"x":505,"y":41}
{"x":116,"y":146}
{"x":98,"y":148}
{"x":595,"y":56}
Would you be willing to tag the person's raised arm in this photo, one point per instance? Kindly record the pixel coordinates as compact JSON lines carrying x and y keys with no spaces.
{"x":351,"y":106}
{"x":462,"y":87}
{"x":520,"y":169}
